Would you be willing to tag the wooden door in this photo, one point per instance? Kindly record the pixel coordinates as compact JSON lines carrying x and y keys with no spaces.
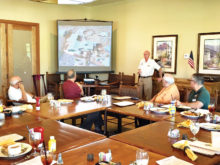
{"x":20,"y":50}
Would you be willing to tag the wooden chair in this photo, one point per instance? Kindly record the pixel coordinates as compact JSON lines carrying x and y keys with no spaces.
{"x":114,"y":82}
{"x":184,"y":93}
{"x":53,"y":81}
{"x":126,"y":90}
{"x":36,"y":81}
{"x":6,"y":99}
{"x":128,"y":79}
{"x":129,"y":90}
{"x":215,"y":96}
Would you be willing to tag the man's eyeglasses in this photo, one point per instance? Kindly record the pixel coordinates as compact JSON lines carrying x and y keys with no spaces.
{"x":19,"y":82}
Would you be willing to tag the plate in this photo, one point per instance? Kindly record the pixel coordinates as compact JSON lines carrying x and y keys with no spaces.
{"x":87,"y":99}
{"x":123,"y":103}
{"x":14,"y":137}
{"x":166,"y":106}
{"x":184,"y":107}
{"x":210,"y":126}
{"x":121,"y":97}
{"x":103,"y":84}
{"x":26,"y":148}
{"x":190,"y":115}
{"x":159,"y":110}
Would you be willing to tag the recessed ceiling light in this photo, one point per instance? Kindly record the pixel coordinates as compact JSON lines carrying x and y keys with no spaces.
{"x":74,"y":2}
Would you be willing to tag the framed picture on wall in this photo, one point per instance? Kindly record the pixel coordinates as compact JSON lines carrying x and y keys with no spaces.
{"x":208,"y":53}
{"x":164,"y":50}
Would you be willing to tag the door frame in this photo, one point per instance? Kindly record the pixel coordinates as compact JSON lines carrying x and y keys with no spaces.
{"x":36,"y":29}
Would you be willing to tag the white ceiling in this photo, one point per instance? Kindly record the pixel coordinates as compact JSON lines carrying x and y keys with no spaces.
{"x":97,"y":2}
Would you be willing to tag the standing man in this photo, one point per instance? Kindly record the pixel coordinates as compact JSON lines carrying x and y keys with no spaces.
{"x":146,"y":70}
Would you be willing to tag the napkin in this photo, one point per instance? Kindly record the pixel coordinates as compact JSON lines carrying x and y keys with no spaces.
{"x":185,"y":123}
{"x":24,"y":107}
{"x":204,"y":148}
{"x":14,"y":137}
{"x":215,"y":139}
{"x":36,"y":160}
{"x":185,"y":146}
{"x":172,"y":160}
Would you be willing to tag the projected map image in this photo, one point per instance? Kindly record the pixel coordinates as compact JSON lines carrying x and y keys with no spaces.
{"x":85,"y":45}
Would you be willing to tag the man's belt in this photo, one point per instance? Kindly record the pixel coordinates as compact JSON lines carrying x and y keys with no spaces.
{"x":145,"y":76}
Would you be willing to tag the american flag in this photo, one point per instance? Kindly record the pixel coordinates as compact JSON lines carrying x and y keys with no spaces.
{"x":191,"y":60}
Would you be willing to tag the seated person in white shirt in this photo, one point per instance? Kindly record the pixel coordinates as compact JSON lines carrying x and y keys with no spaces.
{"x":17,"y":92}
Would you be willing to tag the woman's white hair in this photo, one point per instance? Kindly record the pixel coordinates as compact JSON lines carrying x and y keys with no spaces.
{"x":168,"y":79}
{"x":14,"y":80}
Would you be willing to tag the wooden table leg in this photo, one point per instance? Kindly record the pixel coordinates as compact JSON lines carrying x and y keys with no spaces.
{"x":88,"y":91}
{"x":119,"y":124}
{"x":105,"y":123}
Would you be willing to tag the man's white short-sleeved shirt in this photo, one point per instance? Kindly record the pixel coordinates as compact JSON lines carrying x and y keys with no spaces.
{"x":147,"y":68}
{"x":16,"y":94}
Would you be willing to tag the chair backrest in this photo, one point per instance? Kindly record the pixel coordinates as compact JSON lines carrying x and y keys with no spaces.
{"x":4,"y":94}
{"x":112,"y":77}
{"x":184,"y":93}
{"x":54,"y":78}
{"x":53,"y":81}
{"x":128,"y":90}
{"x":128,"y":79}
{"x":215,"y":97}
{"x":61,"y":91}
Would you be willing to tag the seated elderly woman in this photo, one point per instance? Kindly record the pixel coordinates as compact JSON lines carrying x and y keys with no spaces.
{"x":17,"y":92}
{"x":168,"y":93}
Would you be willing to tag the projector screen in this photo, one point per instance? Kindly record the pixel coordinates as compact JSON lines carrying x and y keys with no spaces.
{"x":85,"y":46}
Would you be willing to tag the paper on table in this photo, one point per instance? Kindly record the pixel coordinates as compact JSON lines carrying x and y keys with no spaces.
{"x":172,"y":160}
{"x":121,"y":97}
{"x":36,"y":160}
{"x":215,"y":139}
{"x":124,"y":103}
{"x":14,"y":137}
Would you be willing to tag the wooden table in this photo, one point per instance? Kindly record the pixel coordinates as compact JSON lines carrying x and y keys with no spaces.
{"x":77,"y":108}
{"x":121,"y":152}
{"x":139,"y":113}
{"x":23,"y":119}
{"x":67,"y":136}
{"x":153,"y":137}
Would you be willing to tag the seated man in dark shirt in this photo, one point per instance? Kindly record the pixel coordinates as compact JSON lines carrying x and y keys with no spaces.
{"x":199,"y":97}
{"x":73,"y":90}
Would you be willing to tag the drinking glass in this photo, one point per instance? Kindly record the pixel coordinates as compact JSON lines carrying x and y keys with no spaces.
{"x":142,"y":157}
{"x":194,"y":128}
{"x":34,"y":140}
{"x":1,"y":105}
{"x":46,"y":157}
{"x":103,"y":92}
{"x":50,"y":96}
{"x":211,"y":106}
